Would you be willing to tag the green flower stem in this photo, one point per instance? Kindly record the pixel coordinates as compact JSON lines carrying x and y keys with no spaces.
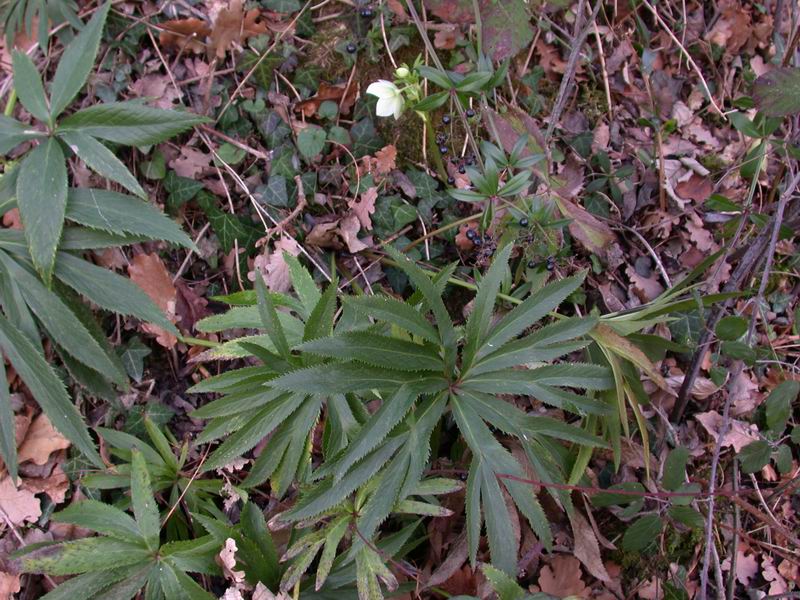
{"x":441,"y":229}
{"x":457,"y":282}
{"x":12,"y":102}
{"x":193,"y":341}
{"x":433,"y":149}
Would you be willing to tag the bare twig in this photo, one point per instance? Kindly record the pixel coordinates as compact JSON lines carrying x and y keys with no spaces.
{"x":688,"y":56}
{"x":261,"y":59}
{"x":777,"y":220}
{"x":578,"y":39}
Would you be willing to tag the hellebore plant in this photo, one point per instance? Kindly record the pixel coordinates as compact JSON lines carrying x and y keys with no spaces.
{"x":392,"y":99}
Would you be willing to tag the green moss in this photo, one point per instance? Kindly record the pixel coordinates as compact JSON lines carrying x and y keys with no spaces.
{"x":712,"y":162}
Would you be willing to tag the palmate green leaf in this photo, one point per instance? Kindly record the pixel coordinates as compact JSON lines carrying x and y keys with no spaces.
{"x":325,"y":495}
{"x":391,"y":412}
{"x":62,"y":325}
{"x":401,"y":478}
{"x":270,"y":321}
{"x":297,"y":450}
{"x":102,"y":518}
{"x":480,"y":317}
{"x":376,"y":350}
{"x":230,"y":382}
{"x":129,"y":123}
{"x":76,"y":63}
{"x":336,"y":531}
{"x":300,"y":565}
{"x":128,"y":588}
{"x":303,"y":284}
{"x":13,"y":133}
{"x":47,"y":389}
{"x":548,"y":343}
{"x":177,"y":584}
{"x":29,"y":88}
{"x":14,"y":306}
{"x":102,"y":161}
{"x":92,"y":586}
{"x":554,"y":428}
{"x":397,"y":313}
{"x":529,"y":312}
{"x":491,"y":461}
{"x":82,"y":238}
{"x":121,"y":214}
{"x":126,"y":441}
{"x":342,"y":378}
{"x":541,"y":386}
{"x":109,"y":290}
{"x":237,"y":402}
{"x":8,"y":445}
{"x":248,"y":317}
{"x":84,"y":555}
{"x":369,"y":569}
{"x":42,"y":203}
{"x":423,"y":283}
{"x":257,"y":427}
{"x":265,"y":557}
{"x":504,"y":586}
{"x":145,"y":509}
{"x":320,"y":321}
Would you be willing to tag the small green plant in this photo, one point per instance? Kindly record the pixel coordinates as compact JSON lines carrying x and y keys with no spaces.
{"x":384,"y":349}
{"x":168,"y":474}
{"x":19,"y":15}
{"x":41,"y":180}
{"x":128,"y":555}
{"x":96,"y":219}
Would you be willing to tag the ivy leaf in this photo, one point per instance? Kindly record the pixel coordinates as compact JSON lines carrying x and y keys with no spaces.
{"x":311,"y":141}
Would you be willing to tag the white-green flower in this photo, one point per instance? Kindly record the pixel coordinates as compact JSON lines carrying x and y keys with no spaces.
{"x":390,"y":98}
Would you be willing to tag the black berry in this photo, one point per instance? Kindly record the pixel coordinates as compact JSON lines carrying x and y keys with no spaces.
{"x":471,"y":235}
{"x":470,"y":113}
{"x":446,"y":119}
{"x":461,"y":169}
{"x":443,"y":149}
{"x":477,"y":241}
{"x":531,"y":264}
{"x":351,"y":48}
{"x":451,"y":180}
{"x":523,"y":222}
{"x":366,"y":12}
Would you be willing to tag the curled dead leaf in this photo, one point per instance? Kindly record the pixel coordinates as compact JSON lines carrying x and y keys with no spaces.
{"x":364,"y":207}
{"x":41,"y":440}
{"x":149,"y":273}
{"x":185,"y":35}
{"x":18,"y":504}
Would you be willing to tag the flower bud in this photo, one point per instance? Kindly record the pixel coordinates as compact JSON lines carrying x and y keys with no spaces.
{"x":402,"y":72}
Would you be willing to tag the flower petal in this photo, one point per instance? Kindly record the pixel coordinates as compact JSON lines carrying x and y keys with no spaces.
{"x":398,"y":109}
{"x":382,"y":89}
{"x":385,"y":106}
